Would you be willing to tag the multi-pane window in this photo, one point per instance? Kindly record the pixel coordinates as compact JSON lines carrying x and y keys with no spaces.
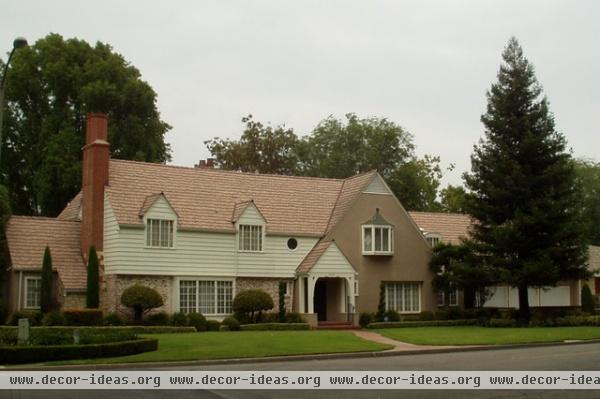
{"x":377,"y":240}
{"x":451,"y":295}
{"x":403,"y":297}
{"x":159,"y":233}
{"x":206,"y":297}
{"x":433,"y":240}
{"x":250,"y":238}
{"x":33,"y":288}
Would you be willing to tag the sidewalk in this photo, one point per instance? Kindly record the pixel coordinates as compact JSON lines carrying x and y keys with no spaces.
{"x":399,"y":346}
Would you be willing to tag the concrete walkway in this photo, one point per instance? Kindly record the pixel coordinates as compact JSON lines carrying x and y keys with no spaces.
{"x":399,"y":346}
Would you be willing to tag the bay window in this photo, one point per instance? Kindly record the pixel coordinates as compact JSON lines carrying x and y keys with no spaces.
{"x":377,"y":240}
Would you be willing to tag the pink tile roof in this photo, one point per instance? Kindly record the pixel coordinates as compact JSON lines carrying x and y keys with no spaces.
{"x":28,"y":237}
{"x":451,"y":226}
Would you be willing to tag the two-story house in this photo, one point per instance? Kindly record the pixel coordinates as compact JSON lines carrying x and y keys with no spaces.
{"x":200,"y":235}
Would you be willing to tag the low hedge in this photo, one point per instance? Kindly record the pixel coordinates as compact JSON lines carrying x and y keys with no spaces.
{"x":432,"y":323}
{"x":274,"y":326}
{"x":45,"y":353}
{"x":83,"y":317}
{"x":104,"y":329}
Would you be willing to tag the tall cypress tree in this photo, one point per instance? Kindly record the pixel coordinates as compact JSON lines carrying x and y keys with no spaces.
{"x":523,"y":191}
{"x":92,"y":300}
{"x":46,"y":283}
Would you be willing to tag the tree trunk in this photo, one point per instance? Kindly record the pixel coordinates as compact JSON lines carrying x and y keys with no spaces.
{"x":523,"y":313}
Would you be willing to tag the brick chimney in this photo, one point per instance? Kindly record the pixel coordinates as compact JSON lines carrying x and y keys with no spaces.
{"x":208,"y":163}
{"x":95,"y":177}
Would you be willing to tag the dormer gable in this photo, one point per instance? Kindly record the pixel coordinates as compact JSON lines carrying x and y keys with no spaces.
{"x":157,"y":206}
{"x":247,"y":213}
{"x":377,"y":186}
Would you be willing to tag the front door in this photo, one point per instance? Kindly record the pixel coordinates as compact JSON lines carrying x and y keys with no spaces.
{"x":320,"y":304}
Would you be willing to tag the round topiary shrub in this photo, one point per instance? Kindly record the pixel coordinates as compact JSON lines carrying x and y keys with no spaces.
{"x":141,"y":299}
{"x":179,"y":319}
{"x":391,"y":315}
{"x":212,"y":325}
{"x":198,"y":321}
{"x":231,"y":323}
{"x":252,"y":303}
{"x":54,"y":318}
{"x":365,"y":319}
{"x":113,"y":319}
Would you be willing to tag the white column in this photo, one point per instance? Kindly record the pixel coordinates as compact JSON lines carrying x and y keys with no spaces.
{"x":351,"y":294}
{"x":312,"y":280}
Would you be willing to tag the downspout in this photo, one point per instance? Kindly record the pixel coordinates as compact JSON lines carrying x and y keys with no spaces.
{"x":20,"y":290}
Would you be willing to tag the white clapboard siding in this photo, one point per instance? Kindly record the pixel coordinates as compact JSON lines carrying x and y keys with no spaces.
{"x":111,"y":233}
{"x":332,"y":263}
{"x":377,"y":186}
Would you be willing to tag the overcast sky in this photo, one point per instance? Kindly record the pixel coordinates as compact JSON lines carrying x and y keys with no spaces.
{"x":424,"y":64}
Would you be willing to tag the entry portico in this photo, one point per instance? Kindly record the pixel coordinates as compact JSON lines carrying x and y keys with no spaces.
{"x":327,"y":285}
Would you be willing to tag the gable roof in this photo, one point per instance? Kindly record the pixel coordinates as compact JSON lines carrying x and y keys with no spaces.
{"x":150,"y":201}
{"x":27,"y":238}
{"x":451,"y":226}
{"x":72,"y":210}
{"x":205,"y":198}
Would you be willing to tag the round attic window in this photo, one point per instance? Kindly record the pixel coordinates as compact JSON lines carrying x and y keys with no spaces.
{"x":292,"y":244}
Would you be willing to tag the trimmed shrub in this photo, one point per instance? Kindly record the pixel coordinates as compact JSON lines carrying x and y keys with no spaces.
{"x":455,"y":313}
{"x":365,"y":319}
{"x":212,"y":325}
{"x":433,"y":323}
{"x":54,"y":318}
{"x":157,"y":319}
{"x":34,"y":316}
{"x":198,"y":321}
{"x":269,"y":317}
{"x":92,"y":295}
{"x":426,"y":315}
{"x":47,"y":283}
{"x":275,"y":327}
{"x":441,"y":315}
{"x":391,"y":315}
{"x":252,"y":302}
{"x":502,"y":323}
{"x":83,"y":317}
{"x":588,"y":302}
{"x":36,"y":354}
{"x":179,"y":319}
{"x":105,"y":330}
{"x":113,"y":319}
{"x":141,"y":299}
{"x":293,"y":317}
{"x":231,"y":323}
{"x":409,"y":317}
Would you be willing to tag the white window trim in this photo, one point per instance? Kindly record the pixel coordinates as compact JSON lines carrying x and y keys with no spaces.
{"x":177,"y":297}
{"x":373,"y":251}
{"x":27,"y":279}
{"x":263,"y":234}
{"x":146,"y":223}
{"x":289,"y":288}
{"x":419,"y":285}
{"x":433,"y":236}
{"x":443,"y":295}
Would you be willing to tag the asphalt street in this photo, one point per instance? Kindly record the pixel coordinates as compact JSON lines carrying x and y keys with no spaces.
{"x":571,"y":357}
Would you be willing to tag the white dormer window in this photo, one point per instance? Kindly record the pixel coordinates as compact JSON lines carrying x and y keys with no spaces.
{"x":159,"y":233}
{"x":433,"y":239}
{"x":250,"y":238}
{"x":377,"y":240}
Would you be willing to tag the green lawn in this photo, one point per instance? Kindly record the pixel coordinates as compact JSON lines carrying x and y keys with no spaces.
{"x":471,"y":335}
{"x":239,"y":344}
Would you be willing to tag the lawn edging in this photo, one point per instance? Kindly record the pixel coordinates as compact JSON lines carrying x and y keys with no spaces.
{"x":43,"y":353}
{"x":429,"y":323}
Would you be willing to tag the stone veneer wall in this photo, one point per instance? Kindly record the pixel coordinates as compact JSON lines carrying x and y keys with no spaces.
{"x":74,"y":301}
{"x":269,"y":285}
{"x":116,"y":284}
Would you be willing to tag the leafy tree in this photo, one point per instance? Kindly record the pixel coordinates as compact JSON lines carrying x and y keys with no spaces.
{"x":141,"y":299}
{"x":453,"y":199}
{"x":588,"y":177}
{"x":54,"y":84}
{"x":459,"y":267}
{"x":341,"y":149}
{"x":47,"y":283}
{"x":92,"y":300}
{"x":523,"y":193}
{"x":263,"y":149}
{"x":416,"y":183}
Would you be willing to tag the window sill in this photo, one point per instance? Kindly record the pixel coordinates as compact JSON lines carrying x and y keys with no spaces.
{"x":154,"y":248}
{"x":250,"y":252}
{"x":378,"y":253}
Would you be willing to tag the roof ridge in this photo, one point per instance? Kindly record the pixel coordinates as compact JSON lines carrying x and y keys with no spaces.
{"x":335,"y":205}
{"x":233,"y":172}
{"x":43,"y":218}
{"x":440,"y":213}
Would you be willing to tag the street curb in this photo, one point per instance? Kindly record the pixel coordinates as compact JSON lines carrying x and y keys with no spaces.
{"x":274,"y":359}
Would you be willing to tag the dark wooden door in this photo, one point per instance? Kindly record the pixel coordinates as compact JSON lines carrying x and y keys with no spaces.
{"x":320,"y":304}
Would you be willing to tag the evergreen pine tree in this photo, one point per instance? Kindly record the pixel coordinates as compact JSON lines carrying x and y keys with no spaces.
{"x":523,"y":193}
{"x":46,"y":283}
{"x":92,"y":300}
